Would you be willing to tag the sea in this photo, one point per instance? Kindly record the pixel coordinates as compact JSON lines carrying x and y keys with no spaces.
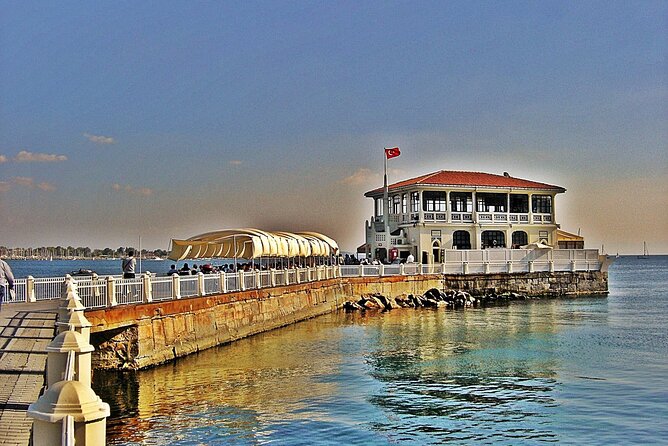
{"x":576,"y":371}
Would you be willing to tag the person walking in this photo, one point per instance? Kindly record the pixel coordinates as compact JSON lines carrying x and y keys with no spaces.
{"x":6,"y":281}
{"x":129,"y":265}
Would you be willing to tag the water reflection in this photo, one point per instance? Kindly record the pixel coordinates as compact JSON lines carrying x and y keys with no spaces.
{"x":410,"y":376}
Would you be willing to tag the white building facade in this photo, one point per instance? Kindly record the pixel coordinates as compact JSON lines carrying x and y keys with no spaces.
{"x":426,"y":215}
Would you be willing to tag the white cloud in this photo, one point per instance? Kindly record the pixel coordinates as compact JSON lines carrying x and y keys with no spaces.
{"x":27,"y":157}
{"x":3,"y":159}
{"x":24,"y":181}
{"x":362,"y":176}
{"x":132,"y":190}
{"x":99,"y":139}
{"x":46,"y":187}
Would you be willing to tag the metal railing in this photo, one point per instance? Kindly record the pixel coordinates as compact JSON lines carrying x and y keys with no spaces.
{"x":97,"y":292}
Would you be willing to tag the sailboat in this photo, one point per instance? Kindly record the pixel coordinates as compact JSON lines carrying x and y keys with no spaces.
{"x":645,"y":252}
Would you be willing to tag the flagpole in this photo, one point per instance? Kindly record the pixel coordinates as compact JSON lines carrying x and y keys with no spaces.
{"x":386,"y":207}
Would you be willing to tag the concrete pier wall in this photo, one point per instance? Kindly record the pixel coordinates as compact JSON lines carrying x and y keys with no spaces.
{"x":143,"y":335}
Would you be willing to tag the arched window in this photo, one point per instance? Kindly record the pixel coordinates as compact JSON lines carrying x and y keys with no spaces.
{"x":436,"y":251}
{"x":461,"y":240}
{"x":520,"y":238}
{"x":493,"y":239}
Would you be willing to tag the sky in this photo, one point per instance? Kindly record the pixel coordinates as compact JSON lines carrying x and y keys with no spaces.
{"x":164,"y":119}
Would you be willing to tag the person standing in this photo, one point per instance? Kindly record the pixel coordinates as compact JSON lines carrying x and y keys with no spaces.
{"x":129,"y":265}
{"x":6,"y":281}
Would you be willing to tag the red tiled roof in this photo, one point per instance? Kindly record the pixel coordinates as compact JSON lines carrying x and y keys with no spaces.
{"x":469,"y":179}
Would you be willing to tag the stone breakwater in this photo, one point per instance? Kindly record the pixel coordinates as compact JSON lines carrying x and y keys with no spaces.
{"x":433,"y":298}
{"x":144,"y":335}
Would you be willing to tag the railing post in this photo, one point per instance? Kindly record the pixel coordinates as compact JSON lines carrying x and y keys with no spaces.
{"x":148,"y":287}
{"x":297,"y":275}
{"x":381,"y":270}
{"x":286,"y":277}
{"x":486,"y":266}
{"x":530,"y":266}
{"x":551,"y":263}
{"x":176,"y":286}
{"x":465,"y":267}
{"x":258,"y":281}
{"x":223,"y":282}
{"x":242,"y":284}
{"x":111,"y":292}
{"x":510,"y":266}
{"x":272,"y":277}
{"x":30,"y":289}
{"x":201,"y":291}
{"x":573,"y":266}
{"x":361,"y":271}
{"x":402,"y":269}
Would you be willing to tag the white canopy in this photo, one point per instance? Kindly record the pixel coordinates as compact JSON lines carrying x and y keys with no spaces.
{"x":249,"y":243}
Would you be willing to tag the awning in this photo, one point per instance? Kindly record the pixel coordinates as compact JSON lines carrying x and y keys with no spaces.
{"x":249,"y":243}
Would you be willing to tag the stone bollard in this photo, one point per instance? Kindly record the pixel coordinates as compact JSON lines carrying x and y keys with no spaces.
{"x":75,"y":321}
{"x":69,"y":412}
{"x":57,"y":358}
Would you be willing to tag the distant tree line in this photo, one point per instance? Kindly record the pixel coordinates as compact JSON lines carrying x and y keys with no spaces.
{"x":68,"y":252}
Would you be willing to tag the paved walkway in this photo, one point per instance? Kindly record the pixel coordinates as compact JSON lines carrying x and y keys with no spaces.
{"x":25,"y":331}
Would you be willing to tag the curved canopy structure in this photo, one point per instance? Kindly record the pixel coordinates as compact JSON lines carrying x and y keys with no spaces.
{"x":249,"y":243}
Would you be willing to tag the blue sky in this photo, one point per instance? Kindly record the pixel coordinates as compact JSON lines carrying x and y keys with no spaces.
{"x":167,"y":119}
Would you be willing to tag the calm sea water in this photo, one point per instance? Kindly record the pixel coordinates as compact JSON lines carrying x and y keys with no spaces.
{"x":58,"y":268}
{"x":571,"y":371}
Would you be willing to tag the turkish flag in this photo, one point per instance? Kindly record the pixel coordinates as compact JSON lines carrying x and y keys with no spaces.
{"x":392,"y":152}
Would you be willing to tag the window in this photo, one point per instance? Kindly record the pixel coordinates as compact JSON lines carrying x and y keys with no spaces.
{"x":520,"y":238}
{"x":541,"y":204}
{"x":461,"y":240}
{"x":396,"y":204}
{"x":493,"y":239}
{"x":434,"y":201}
{"x":404,"y":204}
{"x":461,"y":202}
{"x":415,"y":201}
{"x":519,"y":204}
{"x":491,"y":202}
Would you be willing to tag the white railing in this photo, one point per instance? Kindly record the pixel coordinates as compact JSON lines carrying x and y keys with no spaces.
{"x":97,"y":292}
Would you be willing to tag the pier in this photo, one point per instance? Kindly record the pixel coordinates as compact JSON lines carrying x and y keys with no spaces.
{"x":25,"y":331}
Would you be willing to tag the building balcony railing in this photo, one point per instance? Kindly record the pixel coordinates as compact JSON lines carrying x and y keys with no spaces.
{"x":462,"y":217}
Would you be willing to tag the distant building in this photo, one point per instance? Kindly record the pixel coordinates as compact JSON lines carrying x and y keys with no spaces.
{"x":459,"y":210}
{"x":566,"y":240}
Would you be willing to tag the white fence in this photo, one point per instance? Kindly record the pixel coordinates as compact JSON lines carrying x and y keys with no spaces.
{"x":97,"y":292}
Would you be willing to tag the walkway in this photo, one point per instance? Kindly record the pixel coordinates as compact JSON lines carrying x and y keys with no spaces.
{"x":25,"y":331}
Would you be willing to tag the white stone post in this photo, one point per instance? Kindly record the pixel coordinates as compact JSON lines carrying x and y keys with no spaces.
{"x":510,"y":266}
{"x":361,"y":273}
{"x":111,"y":292}
{"x":402,"y":269}
{"x":573,"y":266}
{"x":176,"y":286}
{"x":258,"y":279}
{"x":30,"y":289}
{"x":272,"y":277}
{"x":242,"y":284}
{"x":465,"y":267}
{"x":551,"y":263}
{"x":57,"y":358}
{"x":201,"y":290}
{"x":487,"y":266}
{"x":381,"y":270}
{"x":530,"y":266}
{"x":297,"y":275}
{"x":223,"y":282}
{"x":148,"y":288}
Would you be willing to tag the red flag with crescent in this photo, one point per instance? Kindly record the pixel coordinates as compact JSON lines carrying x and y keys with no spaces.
{"x":392,"y":152}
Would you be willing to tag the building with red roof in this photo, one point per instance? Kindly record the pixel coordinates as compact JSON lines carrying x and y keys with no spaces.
{"x":425,"y":215}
